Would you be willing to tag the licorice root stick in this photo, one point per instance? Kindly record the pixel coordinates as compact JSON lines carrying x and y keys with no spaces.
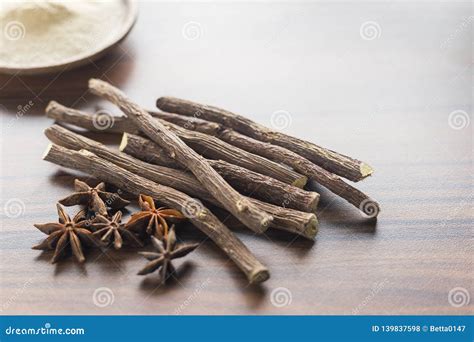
{"x":247,"y":182}
{"x":290,"y":220}
{"x":203,"y":219}
{"x":337,"y":163}
{"x":235,"y":203}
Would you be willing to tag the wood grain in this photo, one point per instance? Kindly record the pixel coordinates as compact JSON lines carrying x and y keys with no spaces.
{"x":386,"y":101}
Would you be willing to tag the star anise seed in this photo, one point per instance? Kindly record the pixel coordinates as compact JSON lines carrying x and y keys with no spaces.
{"x":152,"y":220}
{"x":112,"y":231}
{"x":66,"y":234}
{"x":96,"y":199}
{"x":167,"y":250}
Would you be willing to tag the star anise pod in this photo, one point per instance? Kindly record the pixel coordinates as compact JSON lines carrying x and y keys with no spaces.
{"x":67,"y":234}
{"x":96,"y":199}
{"x":167,"y":250}
{"x":112,"y":231}
{"x":152,"y":220}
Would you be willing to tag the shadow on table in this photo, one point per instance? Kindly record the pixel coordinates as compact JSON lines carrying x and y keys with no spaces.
{"x":23,"y":95}
{"x":333,"y":209}
{"x":65,"y":179}
{"x":152,"y":285}
{"x":66,"y":264}
{"x":109,"y":260}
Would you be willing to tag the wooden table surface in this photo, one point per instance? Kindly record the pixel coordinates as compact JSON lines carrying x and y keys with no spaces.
{"x":401,"y":101}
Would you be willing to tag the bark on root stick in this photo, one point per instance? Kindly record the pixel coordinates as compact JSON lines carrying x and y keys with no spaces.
{"x":337,"y":163}
{"x":283,"y":155}
{"x":205,"y":144}
{"x":122,"y":124}
{"x":235,"y":203}
{"x":63,"y":114}
{"x":245,"y":181}
{"x":215,"y":148}
{"x":273,"y":152}
{"x":294,"y":221}
{"x":88,"y":162}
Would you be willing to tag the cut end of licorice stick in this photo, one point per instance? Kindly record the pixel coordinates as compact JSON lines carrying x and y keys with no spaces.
{"x":124,"y":142}
{"x":259,"y":275}
{"x":300,"y":182}
{"x":46,"y":152}
{"x":311,"y":229}
{"x":365,"y":170}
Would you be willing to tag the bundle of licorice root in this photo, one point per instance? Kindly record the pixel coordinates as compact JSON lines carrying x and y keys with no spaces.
{"x":188,"y":156}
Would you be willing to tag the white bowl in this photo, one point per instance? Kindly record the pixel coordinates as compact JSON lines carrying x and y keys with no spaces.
{"x":84,"y":58}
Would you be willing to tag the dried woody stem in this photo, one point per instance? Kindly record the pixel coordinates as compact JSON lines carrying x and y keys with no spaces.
{"x":245,"y":181}
{"x":214,"y":148}
{"x":78,"y":118}
{"x":277,"y":153}
{"x":290,"y":220}
{"x":207,"y":145}
{"x":332,"y":161}
{"x":121,"y":124}
{"x":88,"y":162}
{"x":235,"y":203}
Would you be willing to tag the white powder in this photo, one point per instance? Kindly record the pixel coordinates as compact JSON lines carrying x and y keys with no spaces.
{"x":46,"y":32}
